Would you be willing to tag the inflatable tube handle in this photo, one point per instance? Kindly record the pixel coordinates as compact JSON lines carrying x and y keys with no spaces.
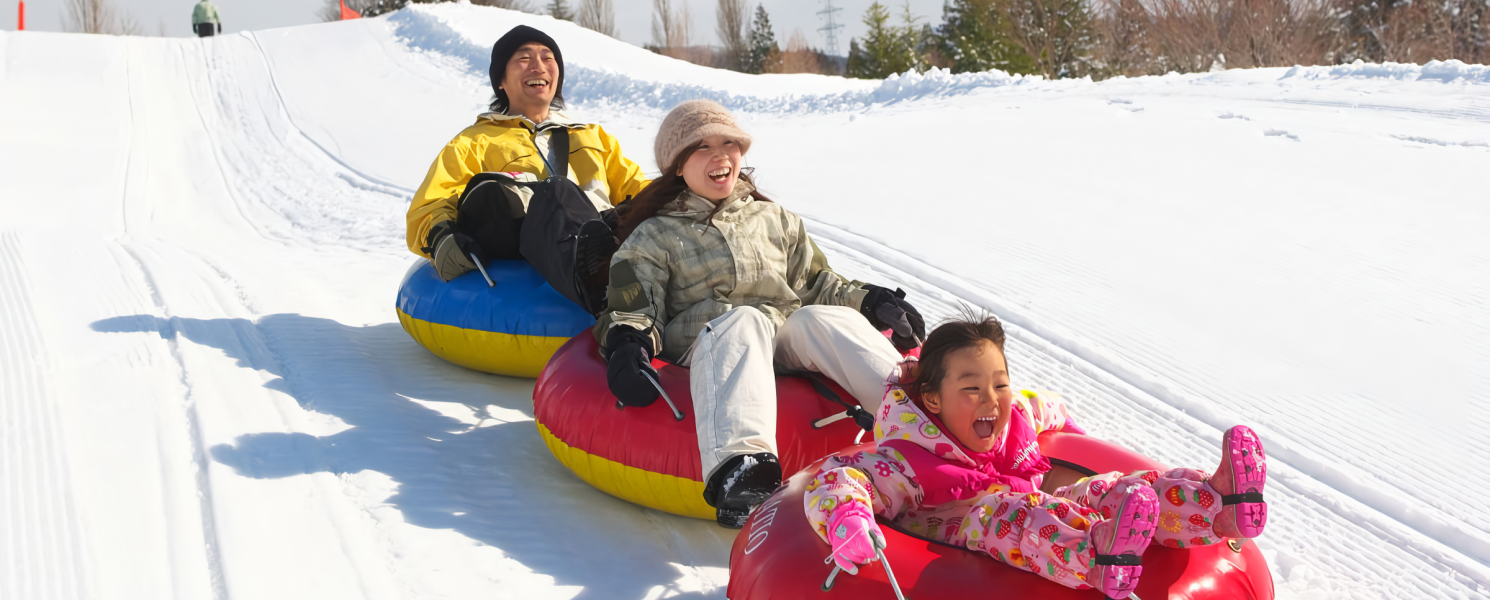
{"x":828,"y":585}
{"x":677,"y":414}
{"x":489,"y":282}
{"x":879,"y":550}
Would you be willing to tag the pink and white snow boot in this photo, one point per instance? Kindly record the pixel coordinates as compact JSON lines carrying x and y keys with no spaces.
{"x":1120,"y":541}
{"x":1240,"y":479}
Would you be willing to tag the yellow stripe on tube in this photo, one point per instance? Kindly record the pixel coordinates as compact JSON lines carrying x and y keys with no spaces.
{"x":667,"y":493}
{"x":492,"y":352}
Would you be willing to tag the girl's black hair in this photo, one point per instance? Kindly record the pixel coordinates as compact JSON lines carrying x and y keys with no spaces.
{"x":970,"y":329}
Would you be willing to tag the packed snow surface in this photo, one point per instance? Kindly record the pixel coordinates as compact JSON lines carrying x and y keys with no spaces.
{"x":206,"y":393}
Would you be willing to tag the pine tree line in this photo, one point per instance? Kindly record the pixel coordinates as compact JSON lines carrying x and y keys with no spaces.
{"x":1108,"y":38}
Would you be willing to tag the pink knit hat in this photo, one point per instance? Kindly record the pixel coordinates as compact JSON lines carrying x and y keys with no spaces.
{"x":691,"y":122}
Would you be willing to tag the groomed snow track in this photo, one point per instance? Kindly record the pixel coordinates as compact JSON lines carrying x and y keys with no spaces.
{"x":204,"y":392}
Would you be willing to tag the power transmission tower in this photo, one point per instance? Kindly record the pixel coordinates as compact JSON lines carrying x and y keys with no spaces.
{"x":830,"y":29}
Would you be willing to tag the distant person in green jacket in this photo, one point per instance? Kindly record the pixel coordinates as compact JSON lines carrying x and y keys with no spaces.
{"x":204,"y":19}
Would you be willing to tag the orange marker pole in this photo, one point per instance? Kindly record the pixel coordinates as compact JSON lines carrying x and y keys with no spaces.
{"x":21,"y":18}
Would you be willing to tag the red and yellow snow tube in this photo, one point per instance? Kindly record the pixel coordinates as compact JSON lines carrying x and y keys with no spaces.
{"x":644,"y":455}
{"x":778,"y":555}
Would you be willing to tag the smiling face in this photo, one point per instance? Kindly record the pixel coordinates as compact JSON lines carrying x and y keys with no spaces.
{"x":711,"y":171}
{"x":531,"y":81}
{"x":974,"y":398}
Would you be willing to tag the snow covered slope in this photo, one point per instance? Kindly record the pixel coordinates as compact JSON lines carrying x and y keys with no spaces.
{"x":204,"y":392}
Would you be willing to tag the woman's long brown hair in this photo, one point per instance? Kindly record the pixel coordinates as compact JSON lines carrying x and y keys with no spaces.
{"x":661,"y":191}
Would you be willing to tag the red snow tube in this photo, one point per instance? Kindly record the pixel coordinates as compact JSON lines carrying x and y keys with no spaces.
{"x":644,"y":455}
{"x":778,"y":555}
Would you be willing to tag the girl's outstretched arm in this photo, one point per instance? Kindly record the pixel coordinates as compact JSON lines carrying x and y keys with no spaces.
{"x":880,"y":481}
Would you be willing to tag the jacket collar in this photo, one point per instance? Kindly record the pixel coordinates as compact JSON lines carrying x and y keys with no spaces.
{"x":693,"y":206}
{"x":555,"y":119}
{"x":901,"y":419}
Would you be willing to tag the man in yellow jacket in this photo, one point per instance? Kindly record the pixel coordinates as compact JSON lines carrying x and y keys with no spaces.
{"x":515,"y":138}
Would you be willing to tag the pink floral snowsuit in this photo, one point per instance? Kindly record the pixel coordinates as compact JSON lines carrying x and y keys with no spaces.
{"x":926,"y":482}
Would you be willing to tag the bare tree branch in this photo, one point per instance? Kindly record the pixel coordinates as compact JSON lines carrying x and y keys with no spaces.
{"x":598,"y":15}
{"x":98,"y":16}
{"x":732,"y":20}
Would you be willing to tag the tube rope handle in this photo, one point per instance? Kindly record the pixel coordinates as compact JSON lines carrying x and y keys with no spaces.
{"x":677,"y":414}
{"x":489,"y":282}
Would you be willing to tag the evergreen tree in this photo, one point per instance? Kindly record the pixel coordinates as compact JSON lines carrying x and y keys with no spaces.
{"x":559,"y":9}
{"x":878,"y":45}
{"x":972,"y":37}
{"x":1057,"y":34}
{"x":762,"y":53}
{"x":860,"y":63}
{"x":887,"y":49}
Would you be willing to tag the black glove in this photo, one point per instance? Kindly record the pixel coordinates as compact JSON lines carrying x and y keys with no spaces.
{"x":889,"y":310}
{"x":629,"y":365}
{"x":449,"y":250}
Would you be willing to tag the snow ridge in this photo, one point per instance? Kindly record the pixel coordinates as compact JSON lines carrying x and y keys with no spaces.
{"x":1451,"y":71}
{"x":426,"y":29}
{"x":1384,"y":511}
{"x":40,"y":551}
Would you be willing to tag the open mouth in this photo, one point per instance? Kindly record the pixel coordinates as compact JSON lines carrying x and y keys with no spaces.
{"x":720,"y":175}
{"x":983,"y":427}
{"x":536,"y":83}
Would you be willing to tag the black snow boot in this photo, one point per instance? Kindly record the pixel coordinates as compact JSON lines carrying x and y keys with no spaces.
{"x":592,"y":253}
{"x":739,"y":485}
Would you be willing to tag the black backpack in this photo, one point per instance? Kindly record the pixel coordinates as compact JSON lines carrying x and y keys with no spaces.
{"x":546,"y":235}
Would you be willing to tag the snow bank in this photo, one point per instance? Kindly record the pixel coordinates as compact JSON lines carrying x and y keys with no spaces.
{"x":433,"y":29}
{"x":1443,"y":71}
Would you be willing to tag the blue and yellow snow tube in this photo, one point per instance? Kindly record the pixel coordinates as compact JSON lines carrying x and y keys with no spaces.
{"x":512,"y":328}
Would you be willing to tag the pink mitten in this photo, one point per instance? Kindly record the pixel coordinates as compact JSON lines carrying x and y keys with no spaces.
{"x":849,"y":531}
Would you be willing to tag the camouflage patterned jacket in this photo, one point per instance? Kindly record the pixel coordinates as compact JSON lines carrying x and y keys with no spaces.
{"x":691,"y":263}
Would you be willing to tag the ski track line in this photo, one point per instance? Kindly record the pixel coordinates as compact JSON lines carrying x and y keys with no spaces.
{"x":1147,"y":389}
{"x":186,"y":411}
{"x":216,"y":575}
{"x":261,"y":343}
{"x":1355,"y":455}
{"x":1107,"y":406}
{"x":43,"y":556}
{"x":370,"y":183}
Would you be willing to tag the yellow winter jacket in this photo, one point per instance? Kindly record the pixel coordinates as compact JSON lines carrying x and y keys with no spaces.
{"x":499,"y":142}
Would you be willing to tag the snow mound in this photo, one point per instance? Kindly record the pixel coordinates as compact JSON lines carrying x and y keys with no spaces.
{"x":437,"y":30}
{"x":1450,"y":71}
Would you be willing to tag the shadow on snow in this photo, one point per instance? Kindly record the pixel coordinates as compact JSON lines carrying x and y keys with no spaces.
{"x":494,"y":482}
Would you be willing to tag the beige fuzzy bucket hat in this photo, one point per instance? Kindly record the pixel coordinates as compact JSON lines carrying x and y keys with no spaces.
{"x":692,"y":121}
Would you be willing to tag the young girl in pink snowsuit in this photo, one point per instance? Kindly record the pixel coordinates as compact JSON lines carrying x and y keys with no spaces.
{"x":957,"y":461}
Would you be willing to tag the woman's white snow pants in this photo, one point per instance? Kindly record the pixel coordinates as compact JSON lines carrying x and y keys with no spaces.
{"x":733,"y":372}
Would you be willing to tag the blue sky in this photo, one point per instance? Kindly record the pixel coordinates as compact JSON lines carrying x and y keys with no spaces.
{"x":633,"y":17}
